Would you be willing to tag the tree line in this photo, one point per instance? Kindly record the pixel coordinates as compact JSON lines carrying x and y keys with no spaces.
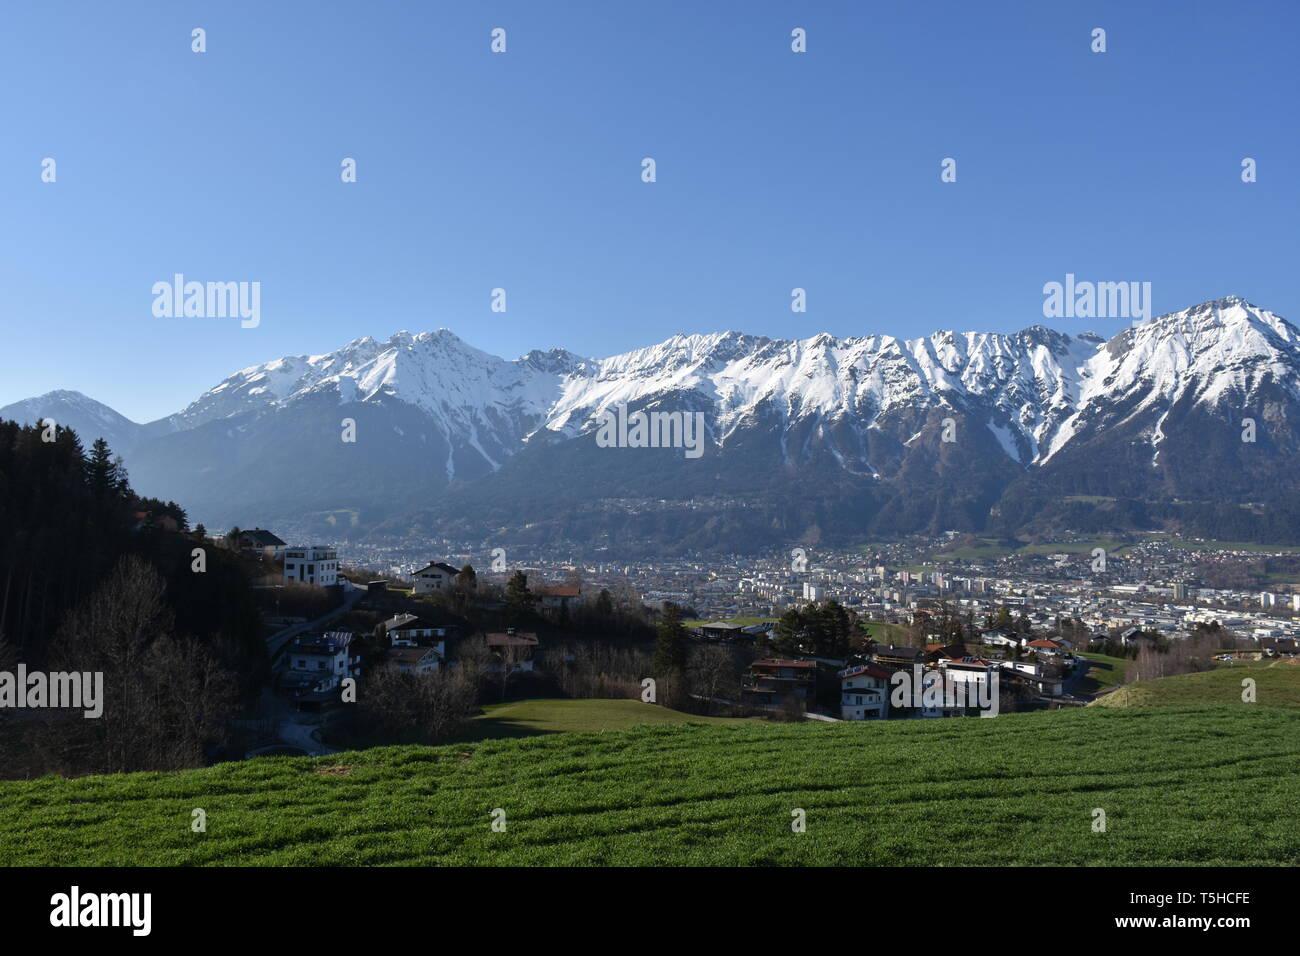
{"x":94,"y":577}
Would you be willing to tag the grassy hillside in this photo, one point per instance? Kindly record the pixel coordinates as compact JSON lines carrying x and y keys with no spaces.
{"x":1103,"y":672}
{"x":1199,"y":786}
{"x":1277,"y":684}
{"x":527,"y":718}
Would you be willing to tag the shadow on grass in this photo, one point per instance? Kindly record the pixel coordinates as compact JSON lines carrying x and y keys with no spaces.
{"x":1091,"y":686}
{"x":490,"y":728}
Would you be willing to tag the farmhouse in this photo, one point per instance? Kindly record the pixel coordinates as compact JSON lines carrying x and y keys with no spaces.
{"x":512,"y":650}
{"x":259,"y":540}
{"x":411,"y":630}
{"x":418,"y":660}
{"x":437,"y":576}
{"x":558,"y":598}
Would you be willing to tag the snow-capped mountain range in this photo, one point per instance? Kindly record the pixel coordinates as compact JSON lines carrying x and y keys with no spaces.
{"x":440,"y":422}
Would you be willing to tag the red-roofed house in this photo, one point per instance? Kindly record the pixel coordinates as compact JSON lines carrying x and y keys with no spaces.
{"x":555,"y":598}
{"x":864,"y":693}
{"x":1045,"y":646}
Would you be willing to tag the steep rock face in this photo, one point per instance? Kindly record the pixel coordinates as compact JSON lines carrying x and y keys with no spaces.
{"x":811,"y":437}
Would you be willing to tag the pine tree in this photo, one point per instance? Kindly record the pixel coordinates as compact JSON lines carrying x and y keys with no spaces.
{"x":670,"y":644}
{"x":517,"y":594}
{"x":101,"y":469}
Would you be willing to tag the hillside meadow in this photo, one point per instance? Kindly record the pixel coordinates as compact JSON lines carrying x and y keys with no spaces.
{"x":1277,"y":685}
{"x":527,"y":718}
{"x":1205,"y":785}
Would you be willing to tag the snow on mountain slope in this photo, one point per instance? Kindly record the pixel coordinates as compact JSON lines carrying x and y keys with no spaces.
{"x":1031,"y":379}
{"x":864,"y":402}
{"x":88,"y":418}
{"x":1035,"y":389}
{"x":1205,"y":353}
{"x":471,"y":397}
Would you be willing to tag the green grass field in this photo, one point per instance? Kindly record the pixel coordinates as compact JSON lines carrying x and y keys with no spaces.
{"x":884,"y":633}
{"x":528,"y":718}
{"x":1187,"y":786}
{"x":1277,"y":685}
{"x":1104,"y":672}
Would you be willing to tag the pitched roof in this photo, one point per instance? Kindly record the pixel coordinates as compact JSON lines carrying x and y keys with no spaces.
{"x":408,"y":622}
{"x":893,"y":650}
{"x":870,"y":669}
{"x":970,"y":662}
{"x":526,"y":639}
{"x":410,"y":655}
{"x":566,"y":591}
{"x":260,"y":538}
{"x":440,"y":566}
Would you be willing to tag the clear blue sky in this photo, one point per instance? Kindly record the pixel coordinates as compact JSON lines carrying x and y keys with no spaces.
{"x":522,"y":170}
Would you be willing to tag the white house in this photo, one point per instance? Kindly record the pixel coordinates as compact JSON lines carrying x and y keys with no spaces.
{"x":311,"y":566}
{"x":437,"y":576}
{"x":997,"y":637}
{"x":419,"y":660}
{"x":408,"y":630}
{"x":1047,"y":647}
{"x":962,"y":683}
{"x":319,"y":663}
{"x":864,"y":693}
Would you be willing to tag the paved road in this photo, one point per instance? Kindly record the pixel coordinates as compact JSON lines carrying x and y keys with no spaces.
{"x":1081,"y":668}
{"x":294,"y":728}
{"x":277,"y":641}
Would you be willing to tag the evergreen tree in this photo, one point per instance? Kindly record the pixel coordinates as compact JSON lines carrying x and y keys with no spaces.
{"x":518,"y":596}
{"x":670,"y":644}
{"x":101,"y":470}
{"x":788,"y":634}
{"x":835,"y":630}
